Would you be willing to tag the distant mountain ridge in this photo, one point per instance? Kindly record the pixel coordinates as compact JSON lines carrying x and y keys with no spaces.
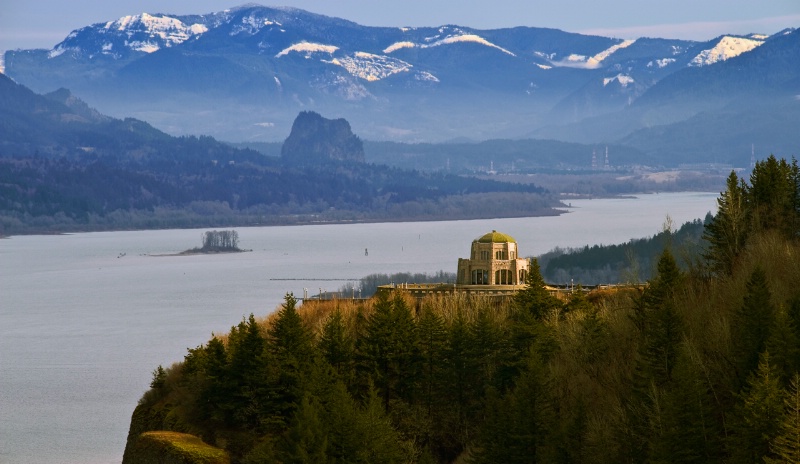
{"x":244,"y":73}
{"x":67,"y":167}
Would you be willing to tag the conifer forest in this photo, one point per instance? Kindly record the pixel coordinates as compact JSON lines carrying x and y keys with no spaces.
{"x":699,"y":365}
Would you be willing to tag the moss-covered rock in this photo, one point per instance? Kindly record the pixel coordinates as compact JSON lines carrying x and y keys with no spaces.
{"x":164,"y":447}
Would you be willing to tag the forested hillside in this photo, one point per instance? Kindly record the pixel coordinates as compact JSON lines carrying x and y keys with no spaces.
{"x":699,"y":366}
{"x":65,"y":167}
{"x":631,"y":262}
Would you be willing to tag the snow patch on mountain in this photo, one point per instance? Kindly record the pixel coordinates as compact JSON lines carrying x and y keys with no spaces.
{"x":623,"y":80}
{"x":398,"y":45}
{"x":371,"y":67}
{"x":344,"y":87}
{"x":662,"y":63}
{"x":58,"y":51}
{"x":544,"y":66}
{"x":584,"y":62}
{"x":470,"y":38}
{"x":435,"y":41}
{"x":425,"y":77}
{"x":144,"y":33}
{"x":307,"y":48}
{"x":143,"y":46}
{"x":727,"y":48}
{"x":252,"y":24}
{"x":597,"y":59}
{"x":171,"y":31}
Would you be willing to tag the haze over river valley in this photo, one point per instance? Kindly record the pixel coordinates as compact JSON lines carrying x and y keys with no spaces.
{"x":85,"y":318}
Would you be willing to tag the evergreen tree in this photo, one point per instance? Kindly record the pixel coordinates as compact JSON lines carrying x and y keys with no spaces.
{"x":487,"y":351}
{"x":217,"y":385}
{"x":494,"y":442}
{"x":247,"y":372}
{"x":531,"y":305}
{"x":388,"y":348}
{"x":337,"y":346}
{"x":727,"y":233}
{"x":525,"y":415}
{"x":460,"y":370}
{"x":406,"y":349}
{"x":661,"y":332}
{"x":783,"y":344}
{"x":686,"y":430}
{"x":432,"y":342}
{"x":289,"y":338}
{"x":658,"y":348}
{"x":666,"y":282}
{"x":341,"y":418}
{"x":571,"y":444}
{"x":535,"y":299}
{"x":290,"y":346}
{"x":305,"y":442}
{"x":786,"y":445}
{"x":750,"y":324}
{"x":757,"y":415}
{"x":382,"y":443}
{"x":773,"y":195}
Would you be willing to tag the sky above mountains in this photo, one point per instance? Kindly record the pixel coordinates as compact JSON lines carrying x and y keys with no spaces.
{"x":42,"y":24}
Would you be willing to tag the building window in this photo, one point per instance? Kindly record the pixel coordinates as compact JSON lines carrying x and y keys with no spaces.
{"x":480,"y":277}
{"x":503,"y":277}
{"x":485,"y":255}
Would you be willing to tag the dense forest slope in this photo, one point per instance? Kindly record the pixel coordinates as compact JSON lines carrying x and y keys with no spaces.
{"x":630,"y":262}
{"x":696,"y":366}
{"x":65,"y":167}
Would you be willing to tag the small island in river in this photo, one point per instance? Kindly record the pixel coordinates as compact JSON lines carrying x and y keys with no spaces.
{"x":217,"y":241}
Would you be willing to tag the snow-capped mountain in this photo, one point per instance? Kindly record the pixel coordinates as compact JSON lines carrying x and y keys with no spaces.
{"x":138,"y":33}
{"x":244,"y":73}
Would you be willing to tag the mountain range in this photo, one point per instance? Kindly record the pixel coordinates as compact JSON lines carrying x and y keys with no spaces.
{"x":243,"y":74}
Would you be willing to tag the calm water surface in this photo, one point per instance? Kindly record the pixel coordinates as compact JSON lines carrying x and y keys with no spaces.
{"x":85,"y":318}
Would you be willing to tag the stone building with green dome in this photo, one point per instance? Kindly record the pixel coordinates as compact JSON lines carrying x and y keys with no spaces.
{"x":494,"y":269}
{"x":494,"y":260}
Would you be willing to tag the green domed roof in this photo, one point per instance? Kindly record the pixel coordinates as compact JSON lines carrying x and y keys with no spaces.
{"x":496,"y":237}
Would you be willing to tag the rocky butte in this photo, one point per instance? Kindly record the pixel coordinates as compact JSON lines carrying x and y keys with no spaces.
{"x":318,"y":140}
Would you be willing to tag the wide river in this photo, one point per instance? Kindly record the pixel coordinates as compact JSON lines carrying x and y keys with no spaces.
{"x":85,"y":318}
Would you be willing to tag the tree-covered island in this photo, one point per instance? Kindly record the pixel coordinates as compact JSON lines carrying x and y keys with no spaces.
{"x":217,"y":241}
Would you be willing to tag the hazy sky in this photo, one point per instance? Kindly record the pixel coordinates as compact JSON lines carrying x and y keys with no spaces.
{"x":44,"y":23}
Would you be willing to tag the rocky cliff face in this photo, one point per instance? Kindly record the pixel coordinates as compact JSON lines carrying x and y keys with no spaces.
{"x":317,"y":140}
{"x":148,"y":444}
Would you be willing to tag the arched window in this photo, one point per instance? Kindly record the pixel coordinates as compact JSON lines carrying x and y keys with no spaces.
{"x":480,"y":277}
{"x":503,"y":277}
